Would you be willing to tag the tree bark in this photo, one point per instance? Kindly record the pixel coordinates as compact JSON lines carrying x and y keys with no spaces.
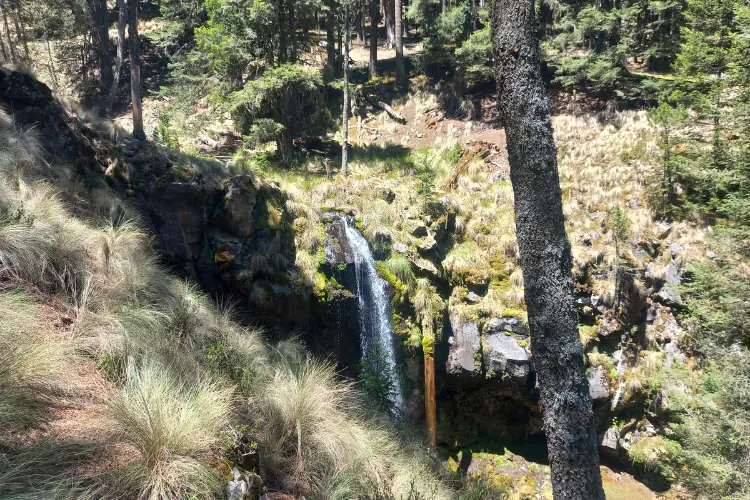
{"x":21,"y":28}
{"x":345,"y":112}
{"x":400,"y":63}
{"x":362,"y":27}
{"x":389,"y":22}
{"x":6,"y":28}
{"x":282,"y":33}
{"x":135,"y":70}
{"x":121,"y":21}
{"x":100,"y":17}
{"x":331,"y":39}
{"x":292,"y":32}
{"x":374,"y":38}
{"x":545,"y":254}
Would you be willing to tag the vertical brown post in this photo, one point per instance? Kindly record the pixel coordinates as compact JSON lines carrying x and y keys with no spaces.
{"x":429,"y":399}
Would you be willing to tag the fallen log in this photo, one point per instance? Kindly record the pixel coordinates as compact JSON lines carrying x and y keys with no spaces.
{"x":395,"y":115}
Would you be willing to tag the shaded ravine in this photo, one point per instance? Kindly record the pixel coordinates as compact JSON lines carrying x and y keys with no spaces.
{"x":374,"y":309}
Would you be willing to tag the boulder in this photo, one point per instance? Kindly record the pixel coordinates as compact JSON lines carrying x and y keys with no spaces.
{"x":506,"y":324}
{"x":235,"y":214}
{"x":507,"y":356}
{"x":598,"y":388}
{"x":243,"y":486}
{"x":609,"y":444}
{"x":464,"y":344}
{"x":473,"y":298}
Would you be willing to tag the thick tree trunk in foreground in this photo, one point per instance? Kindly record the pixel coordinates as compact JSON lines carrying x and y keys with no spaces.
{"x":374,"y":38}
{"x":122,"y":19}
{"x":400,"y":66}
{"x":135,"y":70}
{"x":545,"y":254}
{"x":345,"y":113}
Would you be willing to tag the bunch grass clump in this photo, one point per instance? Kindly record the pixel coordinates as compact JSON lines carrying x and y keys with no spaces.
{"x":174,"y":424}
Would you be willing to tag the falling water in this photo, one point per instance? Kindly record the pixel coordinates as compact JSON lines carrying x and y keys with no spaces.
{"x":374,"y":307}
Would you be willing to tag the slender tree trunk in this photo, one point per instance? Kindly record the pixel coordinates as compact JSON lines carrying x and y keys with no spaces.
{"x":6,"y":28}
{"x":362,"y":22}
{"x":135,"y":70}
{"x":292,"y":32}
{"x":400,"y":63}
{"x":345,"y":112}
{"x":389,"y":22}
{"x":6,"y":55}
{"x":331,"y":40}
{"x":374,"y":38}
{"x":21,"y":28}
{"x":100,"y":17}
{"x":282,"y":33}
{"x":50,"y":64}
{"x":429,"y":399}
{"x":545,"y":254}
{"x":122,"y":19}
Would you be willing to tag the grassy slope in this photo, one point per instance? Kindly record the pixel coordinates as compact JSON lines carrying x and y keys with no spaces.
{"x":185,"y":385}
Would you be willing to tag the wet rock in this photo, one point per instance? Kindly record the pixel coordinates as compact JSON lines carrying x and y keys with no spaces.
{"x":507,"y":356}
{"x":598,"y":388}
{"x":506,"y":324}
{"x":464,"y":345}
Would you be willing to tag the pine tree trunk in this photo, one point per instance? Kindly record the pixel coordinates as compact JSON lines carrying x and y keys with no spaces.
{"x":6,"y":54}
{"x":282,"y":33}
{"x":135,"y":70}
{"x":400,"y":63}
{"x":374,"y":38}
{"x":345,"y":112}
{"x":545,"y":254}
{"x":6,"y":28}
{"x":331,"y":40}
{"x":362,"y":27}
{"x":292,"y":32}
{"x":21,"y":28}
{"x":100,"y":17}
{"x":50,"y":64}
{"x":122,"y":19}
{"x":389,"y":22}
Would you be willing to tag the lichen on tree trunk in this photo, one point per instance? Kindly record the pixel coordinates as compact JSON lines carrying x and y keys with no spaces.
{"x":545,"y":254}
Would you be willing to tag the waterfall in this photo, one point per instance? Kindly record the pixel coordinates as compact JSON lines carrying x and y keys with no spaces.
{"x":374,"y":308}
